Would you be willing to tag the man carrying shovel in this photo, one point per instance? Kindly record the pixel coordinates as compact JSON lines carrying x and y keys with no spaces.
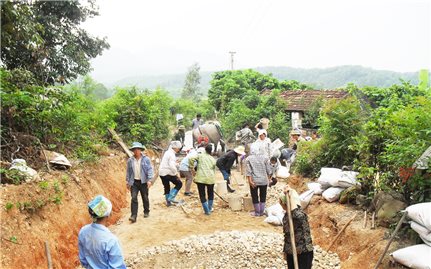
{"x":302,"y":245}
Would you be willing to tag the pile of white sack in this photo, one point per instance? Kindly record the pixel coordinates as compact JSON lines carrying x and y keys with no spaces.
{"x":417,"y":256}
{"x":331,"y":183}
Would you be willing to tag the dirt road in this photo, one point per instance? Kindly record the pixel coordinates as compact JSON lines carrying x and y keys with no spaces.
{"x":171,"y":223}
{"x":357,"y":248}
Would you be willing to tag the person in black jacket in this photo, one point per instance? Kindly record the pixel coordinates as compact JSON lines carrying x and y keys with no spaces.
{"x":225,"y":163}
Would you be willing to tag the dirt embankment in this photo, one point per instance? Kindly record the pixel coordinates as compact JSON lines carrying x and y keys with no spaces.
{"x":56,"y":212}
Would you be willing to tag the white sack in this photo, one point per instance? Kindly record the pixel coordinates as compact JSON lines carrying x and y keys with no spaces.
{"x":315,"y":187}
{"x":28,"y":172}
{"x":283,"y":172}
{"x":274,"y":210}
{"x":417,"y":257}
{"x":332,"y":194}
{"x":348,"y":179}
{"x":305,"y":198}
{"x":329,"y":177}
{"x":420,"y":213}
{"x":423,"y":232}
{"x":274,"y":220}
{"x":275,"y":214}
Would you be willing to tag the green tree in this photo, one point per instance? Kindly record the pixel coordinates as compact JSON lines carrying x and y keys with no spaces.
{"x":192,"y":83}
{"x":229,"y":85}
{"x":45,"y":38}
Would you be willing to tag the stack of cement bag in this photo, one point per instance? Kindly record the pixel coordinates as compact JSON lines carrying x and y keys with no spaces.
{"x":417,"y":256}
{"x":332,"y":182}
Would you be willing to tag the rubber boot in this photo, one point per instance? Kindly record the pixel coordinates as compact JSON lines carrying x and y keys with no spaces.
{"x":206,"y":208}
{"x":256,"y":212}
{"x":168,"y":203}
{"x":229,"y":189}
{"x":172,"y":194}
{"x":262,"y":209}
{"x":210,"y":205}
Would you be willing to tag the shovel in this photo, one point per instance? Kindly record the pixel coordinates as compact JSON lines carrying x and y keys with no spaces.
{"x":292,"y":233}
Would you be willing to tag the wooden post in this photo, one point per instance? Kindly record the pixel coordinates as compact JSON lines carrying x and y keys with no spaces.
{"x":48,"y":255}
{"x":342,"y":230}
{"x":365,"y":219}
{"x":390,"y":240}
{"x":292,"y":231}
{"x":120,"y":142}
{"x":373,"y":220}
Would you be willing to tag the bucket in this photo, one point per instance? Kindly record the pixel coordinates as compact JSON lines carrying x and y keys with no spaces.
{"x":221,"y":188}
{"x":235,"y":202}
{"x":248,"y":203}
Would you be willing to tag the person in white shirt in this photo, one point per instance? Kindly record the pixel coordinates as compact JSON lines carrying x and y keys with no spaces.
{"x":263,"y":143}
{"x":168,"y":172}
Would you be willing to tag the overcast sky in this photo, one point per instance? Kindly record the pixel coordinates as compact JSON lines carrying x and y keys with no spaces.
{"x":163,"y":37}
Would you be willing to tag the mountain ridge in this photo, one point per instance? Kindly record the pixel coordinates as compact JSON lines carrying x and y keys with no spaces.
{"x":319,"y":78}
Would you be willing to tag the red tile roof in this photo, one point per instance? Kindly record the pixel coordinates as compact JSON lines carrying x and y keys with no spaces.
{"x":302,"y":100}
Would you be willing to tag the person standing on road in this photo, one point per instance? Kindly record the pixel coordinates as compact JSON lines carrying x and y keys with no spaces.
{"x":225,"y":163}
{"x":258,"y":172}
{"x":197,"y":121}
{"x":139,"y":178}
{"x":205,"y":177}
{"x":186,"y":172}
{"x":98,"y":247}
{"x":168,"y":172}
{"x":180,"y":134}
{"x":301,"y":228}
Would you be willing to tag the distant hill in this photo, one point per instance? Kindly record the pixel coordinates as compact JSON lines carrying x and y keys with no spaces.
{"x":320,"y":78}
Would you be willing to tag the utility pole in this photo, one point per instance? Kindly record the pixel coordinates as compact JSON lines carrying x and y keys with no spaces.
{"x":232,"y":53}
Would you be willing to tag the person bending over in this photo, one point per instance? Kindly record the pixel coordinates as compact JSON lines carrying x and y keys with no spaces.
{"x":168,"y":173}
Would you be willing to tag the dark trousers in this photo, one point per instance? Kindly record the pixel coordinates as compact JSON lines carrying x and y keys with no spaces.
{"x":135,"y":189}
{"x":305,"y":260}
{"x":166,"y":183}
{"x":209,"y":189}
{"x":258,"y":194}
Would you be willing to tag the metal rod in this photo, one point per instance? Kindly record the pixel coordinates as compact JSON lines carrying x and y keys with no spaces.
{"x":390,"y":240}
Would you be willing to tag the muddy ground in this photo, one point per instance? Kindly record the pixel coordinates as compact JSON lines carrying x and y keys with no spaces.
{"x":59,"y":223}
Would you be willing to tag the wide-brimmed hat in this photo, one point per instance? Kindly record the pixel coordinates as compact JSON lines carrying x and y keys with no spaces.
{"x":137,"y":145}
{"x":181,"y":127}
{"x":101,"y":206}
{"x":240,"y":150}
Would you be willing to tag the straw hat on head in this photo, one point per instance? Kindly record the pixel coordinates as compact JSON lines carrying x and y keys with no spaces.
{"x":240,"y":150}
{"x":181,"y":127}
{"x":137,"y":145}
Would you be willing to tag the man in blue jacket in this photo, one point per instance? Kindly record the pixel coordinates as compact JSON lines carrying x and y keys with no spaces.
{"x":139,"y":178}
{"x":98,"y":247}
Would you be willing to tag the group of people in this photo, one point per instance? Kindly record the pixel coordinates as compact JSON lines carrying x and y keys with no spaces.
{"x":99,"y":248}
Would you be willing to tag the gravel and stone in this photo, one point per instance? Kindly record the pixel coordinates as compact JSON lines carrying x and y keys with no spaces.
{"x":234,"y":249}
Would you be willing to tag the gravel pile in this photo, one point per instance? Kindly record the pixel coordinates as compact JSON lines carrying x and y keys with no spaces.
{"x":236,"y":249}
